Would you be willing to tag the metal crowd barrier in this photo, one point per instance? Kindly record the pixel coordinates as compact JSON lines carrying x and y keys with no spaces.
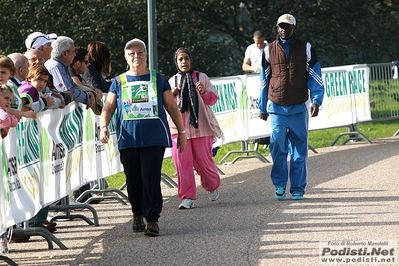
{"x":384,"y":91}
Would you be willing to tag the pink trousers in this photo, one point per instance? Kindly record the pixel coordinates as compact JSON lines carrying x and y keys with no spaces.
{"x":197,"y":155}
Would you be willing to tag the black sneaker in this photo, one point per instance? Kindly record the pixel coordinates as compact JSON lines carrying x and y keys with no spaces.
{"x":138,"y":223}
{"x":152,"y":229}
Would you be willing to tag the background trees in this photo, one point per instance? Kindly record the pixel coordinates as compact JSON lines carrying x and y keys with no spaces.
{"x":216,"y":31}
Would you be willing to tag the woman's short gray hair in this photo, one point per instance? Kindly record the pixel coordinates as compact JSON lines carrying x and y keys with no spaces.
{"x":60,"y":45}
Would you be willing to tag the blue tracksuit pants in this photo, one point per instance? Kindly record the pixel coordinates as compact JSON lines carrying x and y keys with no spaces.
{"x":289,"y":135}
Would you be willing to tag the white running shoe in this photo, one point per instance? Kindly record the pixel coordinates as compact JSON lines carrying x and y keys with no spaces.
{"x":186,"y":204}
{"x":213,"y":195}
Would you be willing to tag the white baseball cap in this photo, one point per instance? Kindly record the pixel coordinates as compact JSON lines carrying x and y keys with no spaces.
{"x":52,"y":36}
{"x":37,"y":39}
{"x":287,"y":18}
{"x":136,"y":41}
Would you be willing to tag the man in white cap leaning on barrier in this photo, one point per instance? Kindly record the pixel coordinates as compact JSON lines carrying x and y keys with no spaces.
{"x":41,"y":42}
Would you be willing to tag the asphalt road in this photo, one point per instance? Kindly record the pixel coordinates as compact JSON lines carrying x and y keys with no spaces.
{"x":352,"y":197}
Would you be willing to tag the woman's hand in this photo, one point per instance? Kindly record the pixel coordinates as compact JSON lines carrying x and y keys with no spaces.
{"x":175,"y":91}
{"x":104,"y":134}
{"x":181,"y":142}
{"x":200,"y":87}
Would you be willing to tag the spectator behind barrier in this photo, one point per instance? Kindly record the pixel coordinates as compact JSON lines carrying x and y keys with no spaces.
{"x":21,"y":64}
{"x":7,"y":70}
{"x":253,"y":53}
{"x":61,"y":99}
{"x":76,"y":70}
{"x":6,"y":120}
{"x":31,"y":91}
{"x":100,"y":64}
{"x":61,"y":57}
{"x":41,"y":42}
{"x":79,"y":67}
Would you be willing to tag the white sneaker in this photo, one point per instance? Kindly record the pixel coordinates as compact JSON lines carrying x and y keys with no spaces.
{"x":186,"y":204}
{"x":213,"y":195}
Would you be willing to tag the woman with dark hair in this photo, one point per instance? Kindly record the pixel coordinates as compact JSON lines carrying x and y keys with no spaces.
{"x":194,"y":94}
{"x":100,"y":60}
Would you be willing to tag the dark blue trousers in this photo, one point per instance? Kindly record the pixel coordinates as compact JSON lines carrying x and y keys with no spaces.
{"x":142,"y":167}
{"x":290,"y":136}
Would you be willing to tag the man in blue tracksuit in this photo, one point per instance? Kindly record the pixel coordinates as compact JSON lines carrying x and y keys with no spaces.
{"x":290,"y":72}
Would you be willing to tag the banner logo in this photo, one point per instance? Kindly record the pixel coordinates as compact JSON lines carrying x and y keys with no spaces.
{"x":71,"y":130}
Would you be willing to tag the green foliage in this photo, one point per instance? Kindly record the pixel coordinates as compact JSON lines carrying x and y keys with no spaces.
{"x":217,"y":32}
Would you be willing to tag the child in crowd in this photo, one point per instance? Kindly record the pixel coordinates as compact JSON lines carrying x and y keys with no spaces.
{"x":36,"y":82}
{"x":6,"y":120}
{"x":7,"y":70}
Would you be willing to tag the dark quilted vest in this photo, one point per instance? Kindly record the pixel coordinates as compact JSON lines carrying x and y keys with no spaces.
{"x":288,"y":82}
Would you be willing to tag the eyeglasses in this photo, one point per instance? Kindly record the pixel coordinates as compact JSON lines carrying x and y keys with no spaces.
{"x":139,"y":53}
{"x":72,"y":51}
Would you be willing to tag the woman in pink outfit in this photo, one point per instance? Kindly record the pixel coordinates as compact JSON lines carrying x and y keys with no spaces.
{"x":6,"y":120}
{"x":194,"y":94}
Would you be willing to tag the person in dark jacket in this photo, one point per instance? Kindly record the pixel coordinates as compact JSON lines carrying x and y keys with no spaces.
{"x":290,"y":72}
{"x":100,"y":61}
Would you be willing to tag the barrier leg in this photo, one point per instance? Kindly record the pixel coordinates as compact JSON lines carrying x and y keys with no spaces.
{"x":353,"y":135}
{"x":220,"y":171}
{"x":312,"y":149}
{"x":168,"y":181}
{"x":65,"y":206}
{"x":123,"y":186}
{"x":104,"y":193}
{"x":8,"y":261}
{"x":39,"y":231}
{"x":247,"y":151}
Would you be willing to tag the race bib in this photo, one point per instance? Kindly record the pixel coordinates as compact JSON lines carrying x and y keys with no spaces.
{"x":139,"y":98}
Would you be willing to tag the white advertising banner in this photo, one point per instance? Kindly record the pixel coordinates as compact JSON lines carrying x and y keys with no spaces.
{"x":106,"y":155}
{"x":53,"y":157}
{"x":21,"y":172}
{"x":346,"y":98}
{"x":229,"y":109}
{"x":256,"y":127}
{"x":43,"y":160}
{"x":71,"y":133}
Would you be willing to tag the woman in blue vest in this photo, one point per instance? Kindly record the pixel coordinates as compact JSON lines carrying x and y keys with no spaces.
{"x":142,"y":132}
